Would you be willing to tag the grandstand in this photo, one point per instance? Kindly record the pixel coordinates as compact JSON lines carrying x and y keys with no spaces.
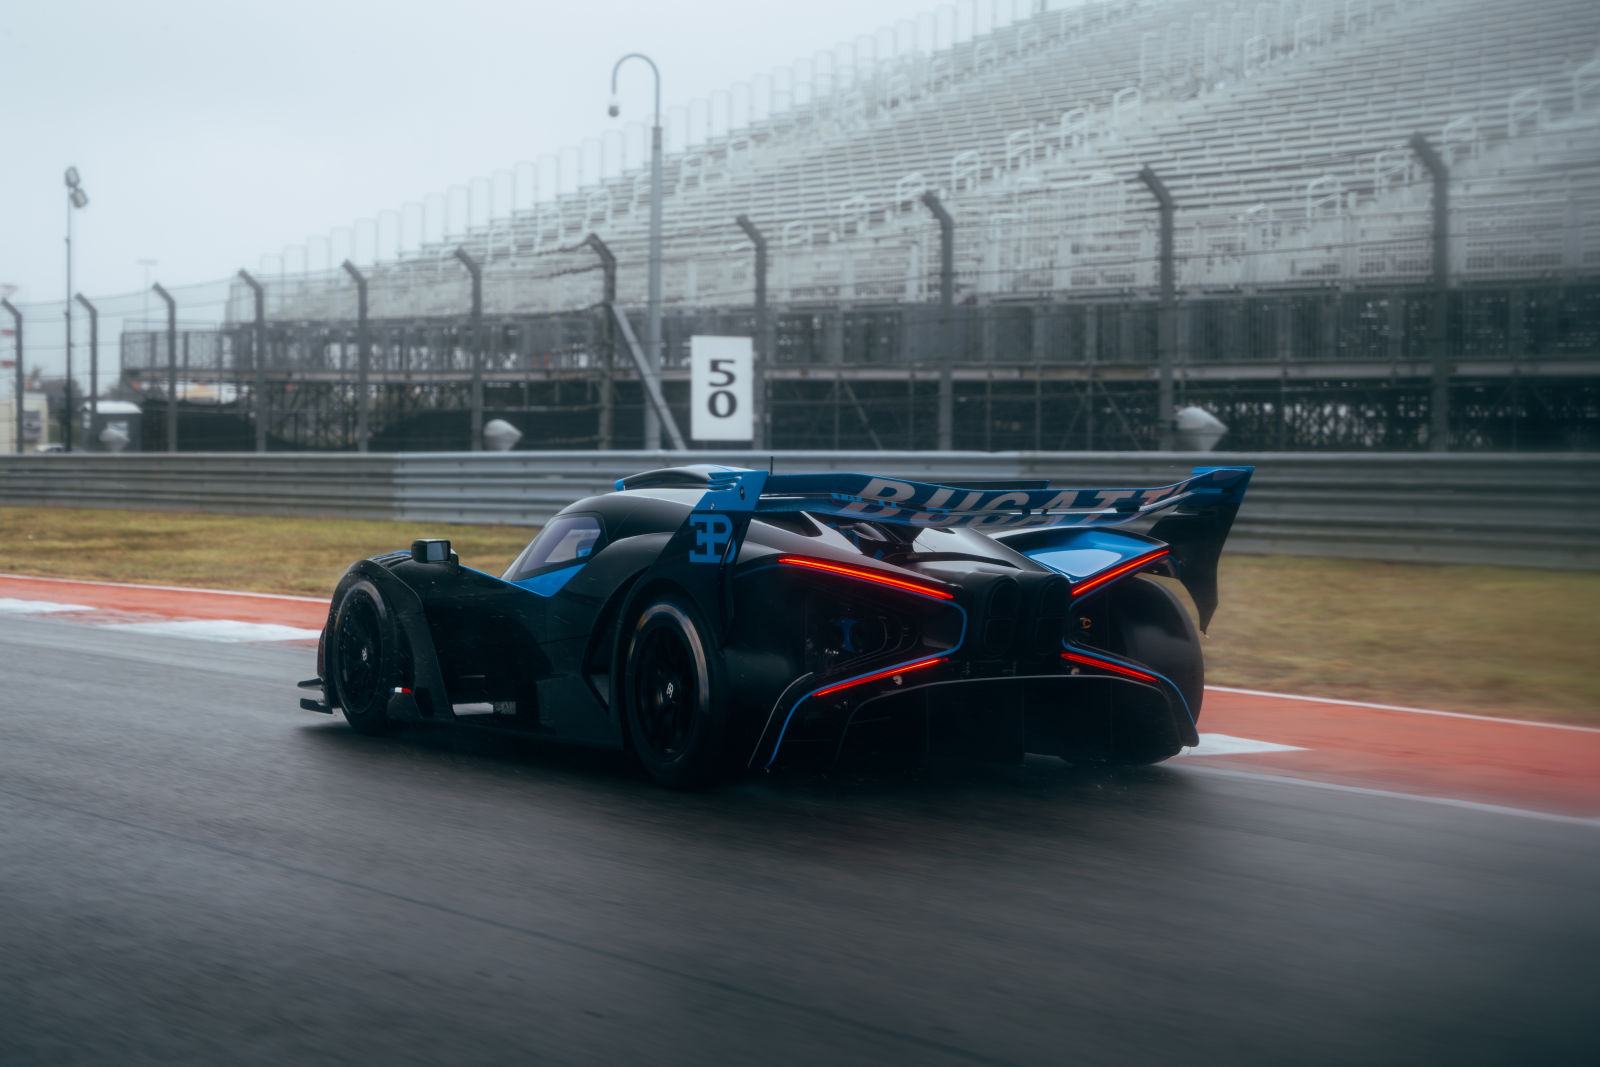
{"x":1280,"y":128}
{"x":1303,"y":227}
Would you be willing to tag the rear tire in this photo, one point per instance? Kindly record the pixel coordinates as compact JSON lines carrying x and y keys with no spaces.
{"x":1150,"y":624}
{"x":365,"y":660}
{"x":675,"y":696}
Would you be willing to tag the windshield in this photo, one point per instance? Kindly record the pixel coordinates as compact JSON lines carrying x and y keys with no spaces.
{"x":566,"y":540}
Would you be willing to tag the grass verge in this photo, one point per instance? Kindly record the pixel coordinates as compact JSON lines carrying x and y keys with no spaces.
{"x":1491,"y":640}
{"x":261,"y":554}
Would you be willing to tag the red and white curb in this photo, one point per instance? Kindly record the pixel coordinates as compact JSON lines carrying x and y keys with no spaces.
{"x":200,"y":614}
{"x":231,"y":631}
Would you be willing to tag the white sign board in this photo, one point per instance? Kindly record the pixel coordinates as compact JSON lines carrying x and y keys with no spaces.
{"x":721,"y":388}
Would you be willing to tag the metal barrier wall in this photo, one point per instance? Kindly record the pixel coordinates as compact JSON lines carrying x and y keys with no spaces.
{"x":1510,"y":509}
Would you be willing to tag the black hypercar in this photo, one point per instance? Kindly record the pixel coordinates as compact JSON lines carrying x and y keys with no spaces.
{"x":713,"y":619}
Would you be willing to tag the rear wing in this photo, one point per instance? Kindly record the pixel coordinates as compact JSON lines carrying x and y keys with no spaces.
{"x":1200,"y":510}
{"x":993,"y":509}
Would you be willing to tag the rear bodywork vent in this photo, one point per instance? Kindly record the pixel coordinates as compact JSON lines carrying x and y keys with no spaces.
{"x":1002,"y":602}
{"x":1047,"y":600}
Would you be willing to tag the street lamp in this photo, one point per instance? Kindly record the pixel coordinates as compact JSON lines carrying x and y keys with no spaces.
{"x":652,"y":336}
{"x":76,"y":198}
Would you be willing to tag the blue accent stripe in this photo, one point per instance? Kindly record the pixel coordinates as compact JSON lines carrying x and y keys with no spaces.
{"x":1088,"y":650}
{"x":550,"y":582}
{"x":960,"y":640}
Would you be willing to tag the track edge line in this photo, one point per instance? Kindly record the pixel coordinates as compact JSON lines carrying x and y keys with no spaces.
{"x":1407,"y":710}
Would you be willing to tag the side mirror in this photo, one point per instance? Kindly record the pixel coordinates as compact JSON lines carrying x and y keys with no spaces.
{"x":431,"y":550}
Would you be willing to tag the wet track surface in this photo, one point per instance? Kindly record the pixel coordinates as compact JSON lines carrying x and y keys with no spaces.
{"x":192,"y":870}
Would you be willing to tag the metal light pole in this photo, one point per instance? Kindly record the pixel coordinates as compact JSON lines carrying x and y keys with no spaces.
{"x":363,"y":354}
{"x":94,"y":360}
{"x":763,"y":339}
{"x":1438,"y":322}
{"x":1167,"y":323}
{"x":608,"y":266}
{"x":258,"y":352}
{"x":652,"y":335}
{"x":76,"y":198}
{"x":475,"y":269}
{"x":947,"y":303}
{"x":172,"y":366}
{"x":22,"y":381}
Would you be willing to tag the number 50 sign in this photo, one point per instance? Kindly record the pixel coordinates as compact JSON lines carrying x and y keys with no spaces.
{"x":720,"y":388}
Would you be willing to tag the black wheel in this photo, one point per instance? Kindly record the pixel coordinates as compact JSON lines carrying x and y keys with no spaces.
{"x":1150,"y":624}
{"x":366,"y":658}
{"x":674,"y":698}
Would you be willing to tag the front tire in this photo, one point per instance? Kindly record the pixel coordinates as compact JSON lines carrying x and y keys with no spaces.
{"x":675,"y":697}
{"x":365,"y":663}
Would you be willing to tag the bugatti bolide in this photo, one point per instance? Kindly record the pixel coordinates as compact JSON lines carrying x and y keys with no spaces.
{"x":713,"y":619}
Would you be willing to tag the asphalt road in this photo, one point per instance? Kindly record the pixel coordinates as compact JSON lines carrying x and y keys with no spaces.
{"x":194,"y":871}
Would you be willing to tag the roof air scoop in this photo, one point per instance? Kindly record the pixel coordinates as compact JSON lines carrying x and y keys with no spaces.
{"x":698,"y":476}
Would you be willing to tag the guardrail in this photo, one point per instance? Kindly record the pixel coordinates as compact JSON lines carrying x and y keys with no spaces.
{"x":1530,"y":510}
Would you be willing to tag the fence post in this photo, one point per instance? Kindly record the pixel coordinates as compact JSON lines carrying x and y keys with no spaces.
{"x":763,"y":344}
{"x":22,"y":378}
{"x":476,"y":271}
{"x":1439,"y":404}
{"x":608,"y":265}
{"x":363,"y":355}
{"x":172,"y":366}
{"x":94,"y":363}
{"x":947,"y":300}
{"x":260,"y":350}
{"x":1167,"y":324}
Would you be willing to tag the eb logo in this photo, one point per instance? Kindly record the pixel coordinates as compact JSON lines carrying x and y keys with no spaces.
{"x":712,"y":533}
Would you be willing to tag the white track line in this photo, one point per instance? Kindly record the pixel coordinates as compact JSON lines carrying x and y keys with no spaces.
{"x":1228,"y":745}
{"x":12,"y":606}
{"x":227,"y":630}
{"x":1408,"y":711}
{"x":1449,"y":802}
{"x":170,"y":588}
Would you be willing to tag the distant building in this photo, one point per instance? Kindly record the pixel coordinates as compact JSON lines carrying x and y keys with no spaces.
{"x":34,"y":420}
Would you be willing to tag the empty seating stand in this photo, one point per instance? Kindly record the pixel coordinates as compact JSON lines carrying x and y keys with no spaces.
{"x":1280,"y":128}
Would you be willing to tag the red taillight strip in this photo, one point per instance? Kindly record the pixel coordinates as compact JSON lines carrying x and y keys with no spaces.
{"x":891,"y":672}
{"x":1134,"y":564}
{"x":869,"y":576}
{"x":1108,"y":665}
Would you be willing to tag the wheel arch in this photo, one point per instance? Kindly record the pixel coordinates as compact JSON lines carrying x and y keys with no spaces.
{"x":1173,"y":651}
{"x":416,"y":643}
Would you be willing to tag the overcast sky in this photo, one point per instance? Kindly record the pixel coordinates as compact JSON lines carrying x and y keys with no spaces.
{"x":209,"y":133}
